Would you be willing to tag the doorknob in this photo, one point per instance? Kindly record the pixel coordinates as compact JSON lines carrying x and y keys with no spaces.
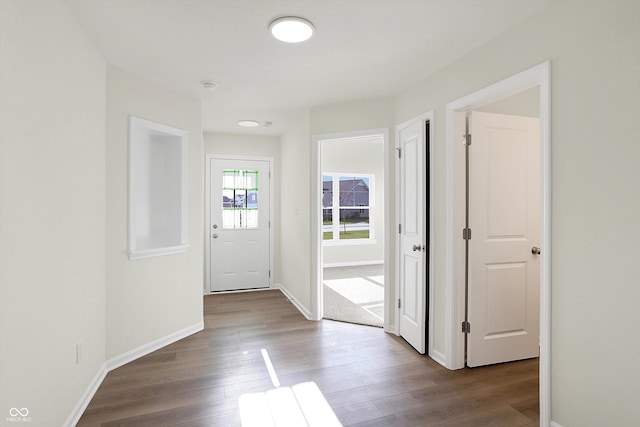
{"x":417,"y":248}
{"x":214,"y":235}
{"x":535,"y":250}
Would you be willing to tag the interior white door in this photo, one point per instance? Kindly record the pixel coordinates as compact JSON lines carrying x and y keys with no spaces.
{"x":412,"y":248}
{"x":504,"y":217}
{"x":239,"y":226}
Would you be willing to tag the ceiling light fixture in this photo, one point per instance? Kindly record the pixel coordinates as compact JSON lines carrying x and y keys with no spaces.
{"x":291,"y":29}
{"x":249,"y":123}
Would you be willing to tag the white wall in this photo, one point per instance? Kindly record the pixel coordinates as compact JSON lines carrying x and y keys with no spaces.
{"x":148,"y":299}
{"x":358,"y":157}
{"x":295,"y":230}
{"x":52,"y":211}
{"x":259,"y":146}
{"x":358,"y":116}
{"x":295,"y":153}
{"x":594,"y":51}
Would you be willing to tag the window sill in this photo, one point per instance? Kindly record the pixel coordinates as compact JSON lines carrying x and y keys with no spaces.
{"x":349,"y":242}
{"x":148,"y":253}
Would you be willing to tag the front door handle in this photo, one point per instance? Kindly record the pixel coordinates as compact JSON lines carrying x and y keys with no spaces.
{"x":535,"y":250}
{"x":214,"y":235}
{"x":417,"y":248}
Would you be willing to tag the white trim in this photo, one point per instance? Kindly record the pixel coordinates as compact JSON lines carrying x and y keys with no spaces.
{"x":352,"y":263}
{"x":424,"y":118}
{"x":123,"y":359}
{"x":316,"y":217}
{"x":207,"y":213}
{"x":306,"y":313}
{"x":148,"y":253}
{"x":539,"y":75}
{"x":84,"y":401}
{"x":152,"y":346}
{"x":555,"y":424}
{"x":348,"y":242}
{"x":432,"y":236}
{"x":438,"y":357}
{"x":239,"y":291}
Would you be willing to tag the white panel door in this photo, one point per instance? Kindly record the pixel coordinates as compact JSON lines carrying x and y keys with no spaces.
{"x":504,"y":217}
{"x":412,"y":247}
{"x":239,"y":232}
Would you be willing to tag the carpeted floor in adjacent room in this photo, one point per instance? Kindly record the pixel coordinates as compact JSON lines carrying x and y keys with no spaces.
{"x":354,"y":294}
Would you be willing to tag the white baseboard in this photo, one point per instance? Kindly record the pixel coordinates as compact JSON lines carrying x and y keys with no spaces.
{"x":306,"y":313}
{"x":438,"y":357}
{"x":82,"y":404}
{"x":351,"y":264}
{"x":123,"y":359}
{"x":240,"y":291}
{"x":555,"y":424}
{"x":391,"y":329}
{"x":143,"y":350}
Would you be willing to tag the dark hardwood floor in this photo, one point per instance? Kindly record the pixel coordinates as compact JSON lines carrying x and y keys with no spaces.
{"x":368,"y":377}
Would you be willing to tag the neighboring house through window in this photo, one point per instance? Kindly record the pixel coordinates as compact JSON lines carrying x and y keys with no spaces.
{"x":347,"y":208}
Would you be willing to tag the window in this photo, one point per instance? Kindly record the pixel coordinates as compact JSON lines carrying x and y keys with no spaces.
{"x":239,"y":199}
{"x":347,"y":204}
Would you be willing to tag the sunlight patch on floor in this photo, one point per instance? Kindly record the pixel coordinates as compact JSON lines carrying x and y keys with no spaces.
{"x":301,"y":405}
{"x":358,"y":290}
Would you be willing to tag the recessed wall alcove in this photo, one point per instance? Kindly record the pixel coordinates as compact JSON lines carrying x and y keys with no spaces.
{"x":157,"y":189}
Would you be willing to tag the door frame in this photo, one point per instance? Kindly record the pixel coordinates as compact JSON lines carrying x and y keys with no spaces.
{"x":429,"y":220}
{"x":539,"y":75}
{"x":316,"y":217}
{"x":207,"y":213}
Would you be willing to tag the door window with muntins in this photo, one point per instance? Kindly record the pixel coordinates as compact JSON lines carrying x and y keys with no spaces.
{"x":239,"y":199}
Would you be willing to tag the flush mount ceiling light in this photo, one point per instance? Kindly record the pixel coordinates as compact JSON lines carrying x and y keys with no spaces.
{"x":291,"y":29}
{"x":249,"y":123}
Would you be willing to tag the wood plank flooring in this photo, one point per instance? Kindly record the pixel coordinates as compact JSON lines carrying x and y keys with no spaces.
{"x":368,"y":377}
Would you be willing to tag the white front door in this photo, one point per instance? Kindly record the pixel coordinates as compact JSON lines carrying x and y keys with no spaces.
{"x":412,"y":241}
{"x":504,"y":218}
{"x":239,"y":224}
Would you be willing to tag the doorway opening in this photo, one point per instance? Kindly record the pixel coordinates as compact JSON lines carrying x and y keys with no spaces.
{"x":349,"y":209}
{"x":456,"y":325}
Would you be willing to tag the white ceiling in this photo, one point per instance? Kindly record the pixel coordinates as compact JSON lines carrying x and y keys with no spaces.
{"x":362,"y":49}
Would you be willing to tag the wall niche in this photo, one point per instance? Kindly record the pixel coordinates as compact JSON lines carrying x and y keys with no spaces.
{"x":157,"y":189}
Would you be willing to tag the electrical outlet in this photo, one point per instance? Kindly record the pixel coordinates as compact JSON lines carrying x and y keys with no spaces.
{"x":78,"y":352}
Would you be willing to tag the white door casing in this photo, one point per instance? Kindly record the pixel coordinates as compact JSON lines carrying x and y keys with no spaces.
{"x":239,"y":224}
{"x":453,"y":352}
{"x":412,"y":240}
{"x":504,"y":217}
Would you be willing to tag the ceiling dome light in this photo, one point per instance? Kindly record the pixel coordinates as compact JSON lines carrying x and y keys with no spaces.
{"x":249,"y":123}
{"x":291,"y":29}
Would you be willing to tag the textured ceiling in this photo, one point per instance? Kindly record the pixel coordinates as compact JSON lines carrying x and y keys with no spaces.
{"x":362,"y":49}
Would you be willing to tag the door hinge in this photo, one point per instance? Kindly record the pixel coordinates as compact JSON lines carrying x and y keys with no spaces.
{"x":399,"y":303}
{"x":466,"y":327}
{"x":399,"y":152}
{"x":399,"y":228}
{"x":466,"y":234}
{"x":466,"y":139}
{"x":269,"y":273}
